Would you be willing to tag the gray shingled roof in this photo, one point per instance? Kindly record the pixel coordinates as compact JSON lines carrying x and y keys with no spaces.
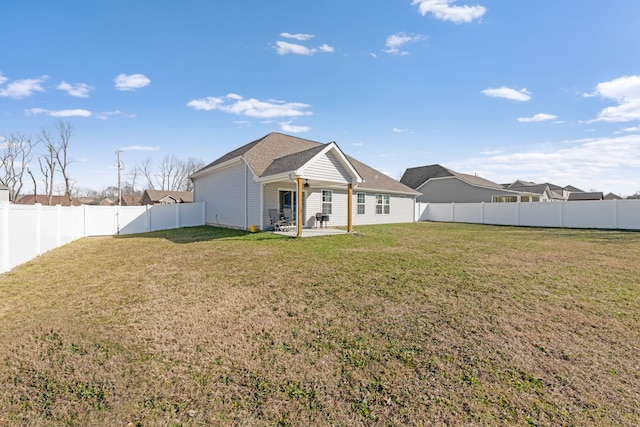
{"x":415,"y":177}
{"x":277,"y":153}
{"x":593,"y":195}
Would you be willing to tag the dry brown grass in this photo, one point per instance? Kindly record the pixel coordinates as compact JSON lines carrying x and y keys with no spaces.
{"x":417,"y":324}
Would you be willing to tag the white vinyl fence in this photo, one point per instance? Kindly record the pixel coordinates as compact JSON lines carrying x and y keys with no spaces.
{"x":27,"y":231}
{"x":600,"y":214}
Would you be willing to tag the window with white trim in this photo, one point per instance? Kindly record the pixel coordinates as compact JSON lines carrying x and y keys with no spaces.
{"x":382,"y":204}
{"x":360,"y":199}
{"x":326,"y":201}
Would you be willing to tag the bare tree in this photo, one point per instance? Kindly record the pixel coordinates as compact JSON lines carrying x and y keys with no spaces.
{"x":65,"y":132}
{"x":35,"y":186}
{"x":48,"y":170}
{"x":15,"y":156}
{"x":172,"y":174}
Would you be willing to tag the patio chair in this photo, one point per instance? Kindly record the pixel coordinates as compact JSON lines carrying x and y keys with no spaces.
{"x":288,"y":217}
{"x":274,"y":217}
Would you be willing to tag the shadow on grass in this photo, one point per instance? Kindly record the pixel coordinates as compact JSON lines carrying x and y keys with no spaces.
{"x":203,"y":233}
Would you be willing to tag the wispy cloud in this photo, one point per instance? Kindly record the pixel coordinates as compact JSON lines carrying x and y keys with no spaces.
{"x":131,"y":81}
{"x":604,"y":164}
{"x":3,"y":79}
{"x":19,"y":89}
{"x":626,"y":92}
{"x":396,"y":41}
{"x":105,"y":115}
{"x":444,"y":10}
{"x":235,"y":104}
{"x":299,"y":36}
{"x":286,"y":48}
{"x":59,"y":113}
{"x":140,"y":148}
{"x":540,"y":117}
{"x":288,"y":127}
{"x":398,"y":130}
{"x":508,"y":93}
{"x":78,"y":90}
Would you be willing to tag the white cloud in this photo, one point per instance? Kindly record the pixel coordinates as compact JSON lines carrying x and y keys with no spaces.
{"x":398,"y":130}
{"x":326,"y":48}
{"x":443,"y":10}
{"x":3,"y":79}
{"x":626,"y":92}
{"x":140,"y":148}
{"x":508,"y":93}
{"x":396,"y":41}
{"x":131,"y":82}
{"x":632,"y":129}
{"x":540,"y":117}
{"x":79,"y":90}
{"x":284,"y":48}
{"x":19,"y":89}
{"x":299,"y":37}
{"x":107,"y":114}
{"x":252,"y":107}
{"x":606,"y":164}
{"x":59,"y":113}
{"x":288,"y":127}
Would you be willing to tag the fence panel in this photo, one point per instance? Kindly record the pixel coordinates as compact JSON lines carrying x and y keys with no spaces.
{"x":27,"y":231}
{"x":600,"y":214}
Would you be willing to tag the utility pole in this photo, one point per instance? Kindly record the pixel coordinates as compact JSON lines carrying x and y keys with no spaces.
{"x":120,"y":167}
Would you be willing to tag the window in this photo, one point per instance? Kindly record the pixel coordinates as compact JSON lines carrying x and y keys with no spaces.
{"x":326,"y":201}
{"x":382,"y":204}
{"x":360,"y":203}
{"x":504,"y":199}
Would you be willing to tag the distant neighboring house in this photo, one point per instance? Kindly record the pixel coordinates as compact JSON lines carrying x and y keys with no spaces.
{"x":281,"y":172}
{"x":4,"y":193}
{"x":441,"y":185}
{"x":29,"y":199}
{"x":593,"y":195}
{"x":164,"y":197}
{"x":548,"y":192}
{"x":612,"y":196}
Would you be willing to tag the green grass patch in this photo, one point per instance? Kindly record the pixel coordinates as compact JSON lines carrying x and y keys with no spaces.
{"x":410,"y":324}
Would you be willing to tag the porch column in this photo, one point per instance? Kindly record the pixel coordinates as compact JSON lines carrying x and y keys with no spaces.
{"x":349,"y":208}
{"x":299,"y":218}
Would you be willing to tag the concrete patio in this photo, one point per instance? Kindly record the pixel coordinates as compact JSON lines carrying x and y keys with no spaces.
{"x":312,"y":232}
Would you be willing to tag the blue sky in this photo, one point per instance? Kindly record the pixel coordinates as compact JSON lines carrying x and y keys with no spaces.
{"x":544,"y":91}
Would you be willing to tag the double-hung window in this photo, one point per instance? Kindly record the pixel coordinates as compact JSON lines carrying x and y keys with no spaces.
{"x":360,"y":203}
{"x":326,"y":201}
{"x":382,"y":204}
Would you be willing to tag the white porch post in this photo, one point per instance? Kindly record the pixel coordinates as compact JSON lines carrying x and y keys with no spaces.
{"x":349,"y":208}
{"x":299,"y":214}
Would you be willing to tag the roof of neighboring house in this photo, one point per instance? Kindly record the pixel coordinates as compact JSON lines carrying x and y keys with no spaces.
{"x":3,"y":187}
{"x":593,"y":195}
{"x":28,"y":199}
{"x":573,"y":189}
{"x":158,"y":195}
{"x":612,"y":196}
{"x":416,"y":177}
{"x":277,"y":153}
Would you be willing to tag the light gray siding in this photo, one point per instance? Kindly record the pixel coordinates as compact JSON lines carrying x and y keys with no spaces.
{"x":328,"y":168}
{"x":225,"y":195}
{"x":401,"y":208}
{"x":453,"y":190}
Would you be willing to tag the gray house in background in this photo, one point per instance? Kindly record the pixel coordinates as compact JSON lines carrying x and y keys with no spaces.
{"x":4,"y":193}
{"x":441,"y":185}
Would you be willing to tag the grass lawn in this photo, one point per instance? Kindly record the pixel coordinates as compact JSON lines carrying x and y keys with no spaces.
{"x":413,"y":324}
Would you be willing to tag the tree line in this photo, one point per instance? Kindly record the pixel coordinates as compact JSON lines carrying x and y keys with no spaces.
{"x":41,"y":159}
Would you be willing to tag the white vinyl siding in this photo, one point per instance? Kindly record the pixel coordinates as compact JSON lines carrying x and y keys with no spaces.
{"x":328,"y":168}
{"x":224,"y":194}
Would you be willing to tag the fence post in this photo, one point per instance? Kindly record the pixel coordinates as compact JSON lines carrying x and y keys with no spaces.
{"x":482,"y":211}
{"x":453,"y":212}
{"x":4,"y":237}
{"x":177,"y":214}
{"x":38,"y":229}
{"x":58,"y":226}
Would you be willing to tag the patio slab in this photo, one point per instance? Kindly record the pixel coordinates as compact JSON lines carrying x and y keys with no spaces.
{"x":312,"y":232}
